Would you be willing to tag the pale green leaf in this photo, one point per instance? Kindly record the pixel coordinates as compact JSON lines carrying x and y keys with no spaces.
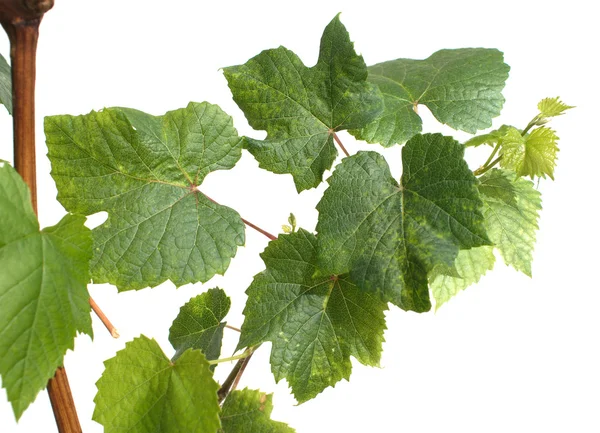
{"x":144,"y":172}
{"x":301,"y":107}
{"x":43,"y":291}
{"x":531,"y":155}
{"x":5,"y":85}
{"x":142,"y":391}
{"x":511,"y":225}
{"x":249,"y":411}
{"x":199,"y":324}
{"x":390,"y":235}
{"x":461,"y":87}
{"x":314,"y":322}
{"x":551,"y":107}
{"x":491,"y":138}
{"x":470,"y":265}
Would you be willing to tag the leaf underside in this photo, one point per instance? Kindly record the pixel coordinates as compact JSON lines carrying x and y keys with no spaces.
{"x":300,"y":107}
{"x":43,"y":291}
{"x":249,"y":411}
{"x":511,"y":223}
{"x":511,"y":208}
{"x":461,"y":87}
{"x":144,"y":172}
{"x":5,"y":85}
{"x":315,"y":323}
{"x":142,"y":391}
{"x":199,"y":324}
{"x":388,"y":236}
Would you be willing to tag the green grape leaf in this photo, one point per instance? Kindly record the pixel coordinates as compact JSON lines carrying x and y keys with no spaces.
{"x":390,"y":235}
{"x":144,"y":172}
{"x":461,"y":87}
{"x":199,"y":324}
{"x":314,"y":322}
{"x":531,"y":155}
{"x":470,"y":265}
{"x":43,"y":291}
{"x":301,"y":107}
{"x":552,"y":107}
{"x":511,"y":224}
{"x":142,"y":391}
{"x":5,"y":85}
{"x":249,"y":411}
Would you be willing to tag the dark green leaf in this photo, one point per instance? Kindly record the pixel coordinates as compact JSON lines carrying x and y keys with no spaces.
{"x":141,"y":391}
{"x":249,"y":411}
{"x":462,"y":88}
{"x":301,"y":107}
{"x":390,"y":235}
{"x":315,"y":323}
{"x":43,"y":291}
{"x":5,"y":85}
{"x":143,"y":170}
{"x":198,"y":324}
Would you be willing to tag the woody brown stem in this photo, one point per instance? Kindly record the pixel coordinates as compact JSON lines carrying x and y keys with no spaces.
{"x":21,"y":20}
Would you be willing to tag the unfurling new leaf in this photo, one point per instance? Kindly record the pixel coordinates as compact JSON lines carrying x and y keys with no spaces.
{"x":301,"y":107}
{"x":390,"y":235}
{"x":314,"y":322}
{"x":462,"y":88}
{"x":43,"y":291}
{"x":552,"y":107}
{"x":144,"y":171}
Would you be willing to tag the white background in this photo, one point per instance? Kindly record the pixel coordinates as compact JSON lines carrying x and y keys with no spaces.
{"x":511,"y":354}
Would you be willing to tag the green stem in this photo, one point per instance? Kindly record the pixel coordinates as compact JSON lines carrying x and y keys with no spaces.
{"x":488,"y":164}
{"x":494,"y":152}
{"x":482,"y":170}
{"x":246,"y":354}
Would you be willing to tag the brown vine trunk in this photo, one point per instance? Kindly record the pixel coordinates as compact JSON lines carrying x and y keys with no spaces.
{"x":21,"y":20}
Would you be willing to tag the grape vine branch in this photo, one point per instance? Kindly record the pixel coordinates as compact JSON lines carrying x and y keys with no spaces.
{"x":381,"y":239}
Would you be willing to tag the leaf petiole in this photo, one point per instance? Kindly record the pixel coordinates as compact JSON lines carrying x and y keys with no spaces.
{"x":489,"y":163}
{"x":243,"y":355}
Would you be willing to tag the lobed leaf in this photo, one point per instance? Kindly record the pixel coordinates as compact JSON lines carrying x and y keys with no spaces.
{"x":314,"y":322}
{"x":199,"y":324}
{"x":43,"y":291}
{"x":301,"y":107}
{"x":531,"y":155}
{"x":142,"y":391}
{"x":388,"y":236}
{"x":249,"y":411}
{"x":144,"y":172}
{"x":461,"y":87}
